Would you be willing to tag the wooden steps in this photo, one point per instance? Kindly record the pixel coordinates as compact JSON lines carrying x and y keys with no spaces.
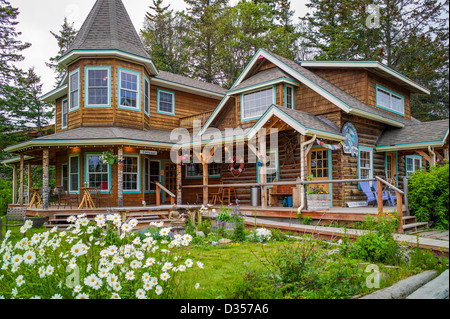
{"x":410,"y":224}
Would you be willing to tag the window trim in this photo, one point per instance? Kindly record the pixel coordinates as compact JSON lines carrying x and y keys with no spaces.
{"x":286,"y":86}
{"x":242,"y":98}
{"x":201,"y":176}
{"x":390,"y":92}
{"x":138,"y":91}
{"x":278,"y":166}
{"x":369,"y":150}
{"x":173,"y":102}
{"x":70,"y":108}
{"x":86,"y":88}
{"x":64,"y":127}
{"x":159,"y":161}
{"x":147,"y":98}
{"x":413,"y":157}
{"x":70,"y":174}
{"x":86,"y":170}
{"x":139,"y":174}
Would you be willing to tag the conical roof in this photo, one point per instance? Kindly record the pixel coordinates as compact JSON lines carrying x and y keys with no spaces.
{"x":109,"y":27}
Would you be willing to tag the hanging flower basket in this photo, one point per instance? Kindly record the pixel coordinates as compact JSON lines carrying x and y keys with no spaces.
{"x":109,"y":158}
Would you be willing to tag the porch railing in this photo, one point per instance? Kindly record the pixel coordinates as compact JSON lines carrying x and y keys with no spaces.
{"x":160,"y":187}
{"x":379,"y":180}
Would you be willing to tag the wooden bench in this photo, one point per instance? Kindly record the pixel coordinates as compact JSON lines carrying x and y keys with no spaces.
{"x":282,"y":191}
{"x":17,"y":214}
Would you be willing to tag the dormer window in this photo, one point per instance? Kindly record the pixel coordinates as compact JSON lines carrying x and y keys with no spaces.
{"x":256,"y":103}
{"x":391,"y":101}
{"x":98,"y":87}
{"x":129,"y":84}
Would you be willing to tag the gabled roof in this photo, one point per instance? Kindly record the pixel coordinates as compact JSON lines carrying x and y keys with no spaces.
{"x":414,"y":136}
{"x":266,"y":76}
{"x":108,"y":30}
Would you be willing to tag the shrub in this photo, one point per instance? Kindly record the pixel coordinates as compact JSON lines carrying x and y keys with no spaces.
{"x":5,"y":195}
{"x":428,"y":194}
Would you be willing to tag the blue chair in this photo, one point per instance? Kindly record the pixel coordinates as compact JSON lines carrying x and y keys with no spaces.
{"x":371,"y":196}
{"x":385,"y":195}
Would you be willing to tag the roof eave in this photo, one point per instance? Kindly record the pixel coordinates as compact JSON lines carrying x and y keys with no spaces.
{"x":55,"y":94}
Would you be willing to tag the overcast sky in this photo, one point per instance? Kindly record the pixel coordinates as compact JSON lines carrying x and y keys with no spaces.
{"x":38,"y":17}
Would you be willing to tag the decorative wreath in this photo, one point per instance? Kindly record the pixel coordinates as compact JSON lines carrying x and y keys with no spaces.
{"x":236,"y":168}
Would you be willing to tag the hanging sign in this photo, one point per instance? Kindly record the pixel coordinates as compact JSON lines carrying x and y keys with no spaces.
{"x":145,"y":152}
{"x":351,"y":139}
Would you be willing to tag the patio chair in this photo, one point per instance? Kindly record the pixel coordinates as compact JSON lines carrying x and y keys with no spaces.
{"x":371,"y":196}
{"x":64,"y":197}
{"x":15,"y":214}
{"x":95,"y":194}
{"x":107,"y":197}
{"x":217,"y":196}
{"x":385,"y":194}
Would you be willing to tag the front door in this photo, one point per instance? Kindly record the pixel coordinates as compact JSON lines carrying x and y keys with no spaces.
{"x":391,"y":168}
{"x":319,"y":168}
{"x":170,"y":179}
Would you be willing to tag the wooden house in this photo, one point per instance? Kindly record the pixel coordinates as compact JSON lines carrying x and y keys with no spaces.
{"x":335,"y":121}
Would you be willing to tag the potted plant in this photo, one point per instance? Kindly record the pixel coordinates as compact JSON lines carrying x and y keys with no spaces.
{"x":318,"y":197}
{"x":38,"y":220}
{"x":108,"y":157}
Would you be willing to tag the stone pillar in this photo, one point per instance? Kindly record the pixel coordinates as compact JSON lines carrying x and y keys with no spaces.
{"x":205,"y":182}
{"x":21,"y":179}
{"x":45,"y":177}
{"x":120,"y":179}
{"x":29,"y":182}
{"x":14,"y":186}
{"x":179,"y":179}
{"x":263,"y":170}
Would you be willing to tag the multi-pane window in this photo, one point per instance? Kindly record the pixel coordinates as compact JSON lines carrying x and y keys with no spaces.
{"x":166,"y":102}
{"x":146,"y":97}
{"x":390,"y":101}
{"x":74,"y":90}
{"x":365,"y":163}
{"x":151,"y":174}
{"x":64,"y":111}
{"x":196,"y":170}
{"x":64,"y":177}
{"x":74,"y":173}
{"x":289,"y":97}
{"x":319,"y":163}
{"x":97,"y":172}
{"x":255,"y":104}
{"x":129,"y":89}
{"x":97,"y":87}
{"x":130,"y":173}
{"x":413,"y":163}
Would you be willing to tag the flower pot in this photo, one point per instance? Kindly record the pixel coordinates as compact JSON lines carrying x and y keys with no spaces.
{"x":38,"y":222}
{"x":318,"y":201}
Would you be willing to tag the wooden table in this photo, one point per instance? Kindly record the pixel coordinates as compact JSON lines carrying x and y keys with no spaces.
{"x":227,"y":191}
{"x":87,"y":198}
{"x":36,"y":200}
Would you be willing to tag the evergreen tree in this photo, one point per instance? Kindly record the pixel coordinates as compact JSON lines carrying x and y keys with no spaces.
{"x":64,"y":39}
{"x":164,"y":35}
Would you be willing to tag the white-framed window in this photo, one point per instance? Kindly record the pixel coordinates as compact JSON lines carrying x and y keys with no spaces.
{"x":272,"y":166}
{"x":290,"y":97}
{"x":413,"y":163}
{"x":64,"y":113}
{"x":391,"y":101}
{"x":74,"y":90}
{"x":131,"y":173}
{"x":166,"y":102}
{"x":365,"y":163}
{"x":146,"y":97}
{"x":74,"y":173}
{"x":152,"y":173}
{"x":129,"y":85}
{"x":256,"y":103}
{"x":97,"y":172}
{"x":98,"y":82}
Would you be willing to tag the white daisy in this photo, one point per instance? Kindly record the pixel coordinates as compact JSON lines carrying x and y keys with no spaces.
{"x":158,"y":290}
{"x":115,"y":296}
{"x":164,"y":276}
{"x":129,"y":275}
{"x":189,"y":263}
{"x":17,"y":260}
{"x":140,"y":294}
{"x":164,"y":232}
{"x":82,"y":296}
{"x":20,"y":281}
{"x":150,"y":261}
{"x":200,"y":264}
{"x":29,"y":257}
{"x":41,"y":272}
{"x":71,"y":219}
{"x":50,"y":270}
{"x":57,"y":296}
{"x":197,"y":285}
{"x":28,"y":224}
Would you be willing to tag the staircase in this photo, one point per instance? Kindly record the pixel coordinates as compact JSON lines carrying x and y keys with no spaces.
{"x":410,"y":224}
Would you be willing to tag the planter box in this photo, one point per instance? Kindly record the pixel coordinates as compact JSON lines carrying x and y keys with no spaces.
{"x":318,"y":201}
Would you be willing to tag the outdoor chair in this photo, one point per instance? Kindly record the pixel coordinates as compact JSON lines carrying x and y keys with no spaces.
{"x":95,"y":194}
{"x":371,"y":196}
{"x":385,"y":195}
{"x":217,"y":196}
{"x":64,"y":197}
{"x":15,"y":214}
{"x":107,"y":197}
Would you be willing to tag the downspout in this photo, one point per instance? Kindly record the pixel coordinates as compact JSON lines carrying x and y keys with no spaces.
{"x":303,"y":172}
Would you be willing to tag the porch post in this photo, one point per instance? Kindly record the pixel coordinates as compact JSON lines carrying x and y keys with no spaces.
{"x":205,"y":182}
{"x":446,"y":153}
{"x":29,"y":182}
{"x":179,"y":176}
{"x":21,"y":179}
{"x":263,"y":154}
{"x":45,"y":177}
{"x":14,"y":191}
{"x":120,"y":178}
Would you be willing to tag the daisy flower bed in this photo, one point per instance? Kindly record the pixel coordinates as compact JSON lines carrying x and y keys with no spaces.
{"x":99,"y":259}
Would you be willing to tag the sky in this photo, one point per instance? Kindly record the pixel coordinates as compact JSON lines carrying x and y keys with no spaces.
{"x":38,"y":17}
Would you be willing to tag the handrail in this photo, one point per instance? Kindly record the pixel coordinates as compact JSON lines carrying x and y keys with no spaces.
{"x":165,"y":190}
{"x":283,"y":183}
{"x":390,"y":185}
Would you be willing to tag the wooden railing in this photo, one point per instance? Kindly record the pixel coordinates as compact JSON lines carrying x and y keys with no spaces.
{"x":188,"y":121}
{"x":160,"y":187}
